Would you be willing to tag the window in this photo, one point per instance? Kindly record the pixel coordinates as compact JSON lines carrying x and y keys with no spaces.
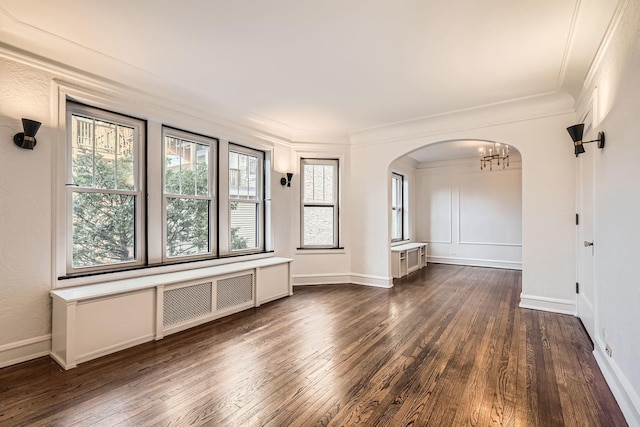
{"x":189,"y":204}
{"x":397,"y":207}
{"x":319,"y":216}
{"x":104,"y":189}
{"x":127,"y":204}
{"x":246,"y":197}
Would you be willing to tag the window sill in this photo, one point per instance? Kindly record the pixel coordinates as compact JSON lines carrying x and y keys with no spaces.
{"x":154,"y":269}
{"x":400,"y":242}
{"x":317,"y":251}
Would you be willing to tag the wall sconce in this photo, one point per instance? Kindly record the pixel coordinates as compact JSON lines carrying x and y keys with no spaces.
{"x":27,"y":139}
{"x":286,"y":181}
{"x":576,"y":131}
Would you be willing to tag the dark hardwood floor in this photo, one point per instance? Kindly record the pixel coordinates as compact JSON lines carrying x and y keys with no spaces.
{"x":447,"y":346}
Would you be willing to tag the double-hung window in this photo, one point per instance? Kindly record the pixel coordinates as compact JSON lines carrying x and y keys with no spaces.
{"x":246,"y":199}
{"x":397,"y":207}
{"x":104,"y":190}
{"x":189,"y":202}
{"x":319,"y":216}
{"x":118,"y":212}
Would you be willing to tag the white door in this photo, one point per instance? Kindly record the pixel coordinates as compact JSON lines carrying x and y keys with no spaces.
{"x":587,"y":247}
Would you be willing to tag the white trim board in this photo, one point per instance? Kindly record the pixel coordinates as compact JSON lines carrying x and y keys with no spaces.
{"x":375,"y":281}
{"x":342,"y":278}
{"x":622,"y":390}
{"x":320,"y":279}
{"x":473,"y":262}
{"x":22,"y":351}
{"x":553,"y":305}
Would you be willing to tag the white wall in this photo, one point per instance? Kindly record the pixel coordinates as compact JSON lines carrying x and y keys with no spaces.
{"x":25,"y":215}
{"x":469,"y":216}
{"x":615,"y":84}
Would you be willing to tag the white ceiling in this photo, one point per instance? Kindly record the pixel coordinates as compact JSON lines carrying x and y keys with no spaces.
{"x":327,"y":66}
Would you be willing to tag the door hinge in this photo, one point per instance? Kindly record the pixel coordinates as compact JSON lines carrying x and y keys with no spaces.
{"x":577,"y":288}
{"x":577,"y":219}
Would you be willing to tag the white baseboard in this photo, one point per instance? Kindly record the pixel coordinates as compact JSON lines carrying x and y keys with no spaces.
{"x":553,"y":305}
{"x":21,"y":351}
{"x":338,"y":278}
{"x":111,"y":349}
{"x":320,"y":279}
{"x":473,"y":262}
{"x":622,"y":390}
{"x":375,"y":281}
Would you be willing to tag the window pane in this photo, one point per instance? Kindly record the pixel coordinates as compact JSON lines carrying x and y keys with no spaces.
{"x":82,"y":151}
{"x":202,"y":170}
{"x":103,"y":229}
{"x":396,"y":224}
{"x":172,"y":160}
{"x":124,"y":170}
{"x":234,"y":175}
{"x":318,"y":183}
{"x":394,"y":191}
{"x":187,"y":227}
{"x":102,"y":154}
{"x":243,"y":176}
{"x":243,"y":167}
{"x":252,"y":191}
{"x":244,"y":225}
{"x":318,"y":225}
{"x":186,"y":168}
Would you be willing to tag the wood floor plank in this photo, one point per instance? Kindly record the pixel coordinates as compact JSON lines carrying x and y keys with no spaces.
{"x":448,"y":345}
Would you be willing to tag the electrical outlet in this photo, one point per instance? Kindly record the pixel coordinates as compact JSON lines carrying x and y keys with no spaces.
{"x":608,"y":350}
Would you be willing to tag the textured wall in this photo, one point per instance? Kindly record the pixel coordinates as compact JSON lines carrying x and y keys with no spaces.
{"x":25,"y":206}
{"x":617,"y":192}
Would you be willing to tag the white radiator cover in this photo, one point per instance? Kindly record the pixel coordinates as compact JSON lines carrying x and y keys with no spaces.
{"x":94,"y":320}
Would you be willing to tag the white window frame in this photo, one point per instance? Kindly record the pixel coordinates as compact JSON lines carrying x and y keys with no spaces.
{"x":400,"y":215}
{"x":212,"y":184}
{"x":151,"y":251}
{"x":259,"y":202}
{"x":139,"y":126}
{"x":334,"y":203}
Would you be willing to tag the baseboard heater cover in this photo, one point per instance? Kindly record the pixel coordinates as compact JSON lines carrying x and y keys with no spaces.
{"x":186,"y":303}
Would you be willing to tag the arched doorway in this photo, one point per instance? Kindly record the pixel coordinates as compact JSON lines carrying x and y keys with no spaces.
{"x":466,"y":215}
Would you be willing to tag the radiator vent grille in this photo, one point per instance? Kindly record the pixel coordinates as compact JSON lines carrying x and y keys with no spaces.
{"x":186,"y":303}
{"x":234,"y":291}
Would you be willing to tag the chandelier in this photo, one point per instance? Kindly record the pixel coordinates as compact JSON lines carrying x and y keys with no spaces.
{"x":497,"y":154}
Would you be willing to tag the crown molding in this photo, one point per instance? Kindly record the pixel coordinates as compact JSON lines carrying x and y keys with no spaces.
{"x":227,"y":122}
{"x":584,"y":98}
{"x":522,"y":109}
{"x":320,"y":137}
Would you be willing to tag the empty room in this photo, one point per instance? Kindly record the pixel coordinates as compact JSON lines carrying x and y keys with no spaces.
{"x":319,"y":213}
